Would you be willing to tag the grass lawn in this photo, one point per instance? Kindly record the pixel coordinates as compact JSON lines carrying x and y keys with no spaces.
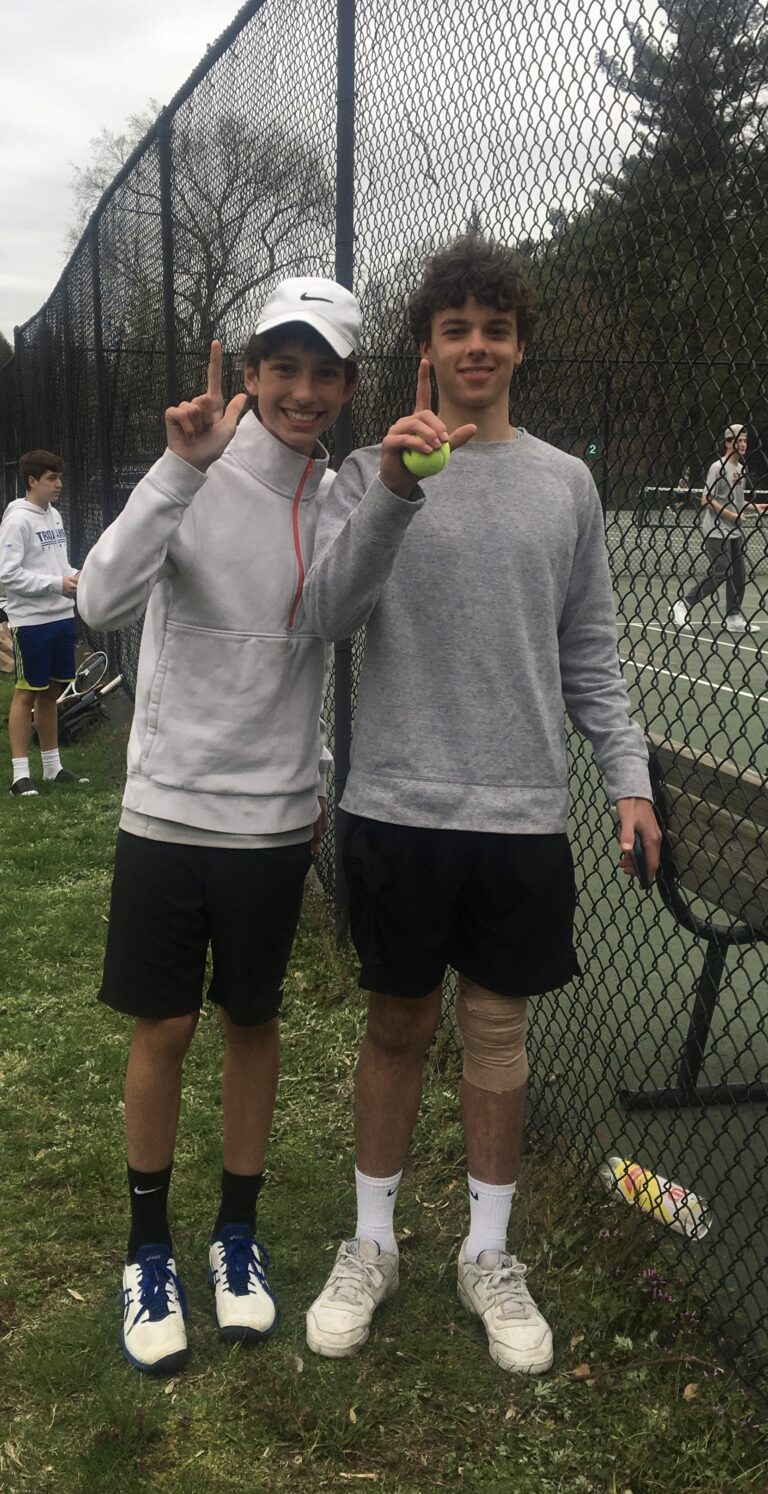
{"x":635,"y":1402}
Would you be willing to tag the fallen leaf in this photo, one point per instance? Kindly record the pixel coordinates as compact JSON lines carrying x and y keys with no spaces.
{"x":511,"y":1414}
{"x":577,"y":1339}
{"x":691,"y":1391}
{"x":581,"y":1372}
{"x":352,"y":1414}
{"x":75,"y":1295}
{"x":169,"y":1388}
{"x":294,"y":1363}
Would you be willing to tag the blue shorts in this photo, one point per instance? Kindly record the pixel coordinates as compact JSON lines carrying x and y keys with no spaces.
{"x":44,"y":653}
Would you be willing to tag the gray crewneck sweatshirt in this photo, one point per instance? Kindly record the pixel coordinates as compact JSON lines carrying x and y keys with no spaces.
{"x":489,"y":613}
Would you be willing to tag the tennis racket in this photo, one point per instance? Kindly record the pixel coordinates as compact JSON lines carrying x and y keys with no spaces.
{"x":82,"y":711}
{"x":89,"y":674}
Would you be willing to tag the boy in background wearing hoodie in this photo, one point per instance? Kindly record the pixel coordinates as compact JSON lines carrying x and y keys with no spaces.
{"x":225,"y":794}
{"x":40,"y":586}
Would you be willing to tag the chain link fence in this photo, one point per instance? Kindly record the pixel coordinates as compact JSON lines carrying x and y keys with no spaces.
{"x":622,"y":147}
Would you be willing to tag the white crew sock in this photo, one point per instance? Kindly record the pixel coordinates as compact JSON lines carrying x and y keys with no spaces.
{"x":376,"y":1199}
{"x":51,"y":764}
{"x":20,"y":768}
{"x":490,"y":1205}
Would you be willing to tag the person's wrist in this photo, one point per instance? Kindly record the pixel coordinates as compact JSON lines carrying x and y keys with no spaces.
{"x":200,"y":464}
{"x":401,"y":482}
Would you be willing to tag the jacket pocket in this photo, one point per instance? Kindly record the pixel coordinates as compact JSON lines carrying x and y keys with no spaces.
{"x":235,"y":713}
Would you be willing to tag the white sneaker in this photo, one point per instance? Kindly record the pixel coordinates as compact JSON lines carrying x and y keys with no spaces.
{"x":736,"y":623}
{"x":679,"y":614}
{"x":153,"y":1337}
{"x":494,"y":1288}
{"x":245,"y":1307}
{"x":339,"y":1320}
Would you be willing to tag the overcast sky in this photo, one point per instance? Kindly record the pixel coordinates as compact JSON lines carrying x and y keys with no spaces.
{"x":68,"y":67}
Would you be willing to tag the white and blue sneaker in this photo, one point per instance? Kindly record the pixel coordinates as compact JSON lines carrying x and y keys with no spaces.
{"x":245,"y":1307}
{"x":153,"y":1337}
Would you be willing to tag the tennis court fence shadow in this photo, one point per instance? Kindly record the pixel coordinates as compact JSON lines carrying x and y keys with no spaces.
{"x":304,"y":143}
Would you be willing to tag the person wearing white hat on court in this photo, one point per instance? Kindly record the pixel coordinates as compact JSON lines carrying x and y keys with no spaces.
{"x":724,"y":503}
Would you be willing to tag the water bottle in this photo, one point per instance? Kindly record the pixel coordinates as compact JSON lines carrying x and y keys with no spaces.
{"x":666,"y":1202}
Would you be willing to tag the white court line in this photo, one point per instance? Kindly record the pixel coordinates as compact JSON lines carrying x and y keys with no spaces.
{"x":693,"y":680}
{"x":748,"y":648}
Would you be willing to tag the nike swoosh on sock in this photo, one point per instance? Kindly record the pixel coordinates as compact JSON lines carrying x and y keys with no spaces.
{"x":141,"y":1191}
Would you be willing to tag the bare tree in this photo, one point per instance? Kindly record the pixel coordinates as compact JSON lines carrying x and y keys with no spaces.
{"x":248,"y":203}
{"x":110,"y":151}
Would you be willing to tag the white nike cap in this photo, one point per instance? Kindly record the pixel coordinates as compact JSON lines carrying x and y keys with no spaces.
{"x":322,"y":304}
{"x":734,"y":430}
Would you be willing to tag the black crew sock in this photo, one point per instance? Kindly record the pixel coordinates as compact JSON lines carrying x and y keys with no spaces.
{"x":239,"y":1193}
{"x":149,"y":1209}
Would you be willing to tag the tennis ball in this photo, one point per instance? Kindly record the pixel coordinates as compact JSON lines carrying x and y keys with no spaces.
{"x":426,"y":466}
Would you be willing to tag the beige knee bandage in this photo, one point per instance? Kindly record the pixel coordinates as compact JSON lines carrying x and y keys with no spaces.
{"x":493,"y":1032}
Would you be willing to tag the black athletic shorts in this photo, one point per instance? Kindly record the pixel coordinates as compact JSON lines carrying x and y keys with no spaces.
{"x":498,"y":908}
{"x":170,"y":902}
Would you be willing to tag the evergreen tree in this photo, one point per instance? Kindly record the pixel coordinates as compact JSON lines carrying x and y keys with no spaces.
{"x":662,"y":273}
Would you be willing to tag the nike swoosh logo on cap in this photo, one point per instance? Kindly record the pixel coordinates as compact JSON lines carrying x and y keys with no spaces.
{"x":326,"y":299}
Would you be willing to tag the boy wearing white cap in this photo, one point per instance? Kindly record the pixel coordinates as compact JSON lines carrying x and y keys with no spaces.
{"x":225,"y":795}
{"x":724,"y":500}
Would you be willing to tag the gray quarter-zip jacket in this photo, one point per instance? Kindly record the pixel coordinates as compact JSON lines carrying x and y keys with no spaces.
{"x":489,"y":613}
{"x":226,"y":732}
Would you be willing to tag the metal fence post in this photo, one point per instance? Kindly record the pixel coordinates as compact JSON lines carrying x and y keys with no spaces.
{"x":343,"y":432}
{"x":604,"y":485}
{"x":102,"y":418}
{"x":18,"y":344}
{"x":166,"y":231}
{"x":67,"y":442}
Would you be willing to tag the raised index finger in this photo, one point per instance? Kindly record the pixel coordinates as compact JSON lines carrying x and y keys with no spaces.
{"x":214,"y":374}
{"x":423,"y":388}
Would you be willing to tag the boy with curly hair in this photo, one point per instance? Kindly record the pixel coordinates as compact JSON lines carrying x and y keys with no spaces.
{"x":488,"y":610}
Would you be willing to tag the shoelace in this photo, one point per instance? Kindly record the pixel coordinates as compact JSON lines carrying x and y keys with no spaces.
{"x":155,"y":1285}
{"x":509,"y":1282}
{"x":241,"y":1257}
{"x":352,"y":1266}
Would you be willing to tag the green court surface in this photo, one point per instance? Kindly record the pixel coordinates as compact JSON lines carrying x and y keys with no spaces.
{"x":697,"y":684}
{"x":623,"y":1024}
